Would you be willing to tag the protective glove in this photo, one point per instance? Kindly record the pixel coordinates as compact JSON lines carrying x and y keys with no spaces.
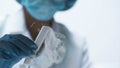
{"x":13,"y":48}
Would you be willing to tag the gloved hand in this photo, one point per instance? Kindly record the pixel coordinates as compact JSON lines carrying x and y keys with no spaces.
{"x":13,"y":48}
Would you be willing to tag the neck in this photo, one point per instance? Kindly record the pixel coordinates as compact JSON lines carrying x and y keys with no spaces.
{"x":34,"y":25}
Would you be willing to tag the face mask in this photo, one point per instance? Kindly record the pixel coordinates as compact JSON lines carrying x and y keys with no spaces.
{"x":44,"y":10}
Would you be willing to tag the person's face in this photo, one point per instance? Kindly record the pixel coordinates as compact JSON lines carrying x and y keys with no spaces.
{"x":45,"y":9}
{"x":59,"y":4}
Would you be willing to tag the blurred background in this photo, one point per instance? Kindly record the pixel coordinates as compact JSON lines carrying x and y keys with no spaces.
{"x":96,"y":20}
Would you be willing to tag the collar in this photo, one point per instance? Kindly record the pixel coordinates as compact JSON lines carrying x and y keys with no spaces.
{"x":15,"y":24}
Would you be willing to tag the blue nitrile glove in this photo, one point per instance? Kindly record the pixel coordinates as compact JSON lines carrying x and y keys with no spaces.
{"x":13,"y":48}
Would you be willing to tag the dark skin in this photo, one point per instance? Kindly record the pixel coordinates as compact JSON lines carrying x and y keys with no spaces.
{"x":34,"y":25}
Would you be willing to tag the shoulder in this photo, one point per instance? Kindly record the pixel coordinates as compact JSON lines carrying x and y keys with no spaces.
{"x":72,"y":38}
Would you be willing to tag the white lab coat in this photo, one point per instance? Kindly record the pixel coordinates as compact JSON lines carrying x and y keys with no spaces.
{"x":76,"y":54}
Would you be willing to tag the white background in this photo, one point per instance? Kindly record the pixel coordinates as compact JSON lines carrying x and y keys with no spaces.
{"x":97,"y":20}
